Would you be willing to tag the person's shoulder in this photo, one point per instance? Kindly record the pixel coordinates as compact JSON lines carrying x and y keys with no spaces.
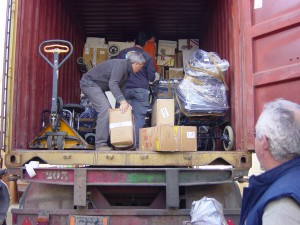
{"x":125,"y":50}
{"x":118,"y":61}
{"x":274,"y":213}
{"x":146,"y":55}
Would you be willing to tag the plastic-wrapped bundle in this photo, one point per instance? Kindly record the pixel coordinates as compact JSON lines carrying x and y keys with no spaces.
{"x":202,"y":63}
{"x":203,"y":90}
{"x":207,"y":211}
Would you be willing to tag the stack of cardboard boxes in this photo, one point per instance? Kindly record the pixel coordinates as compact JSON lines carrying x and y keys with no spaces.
{"x":172,"y":62}
{"x":163,"y":135}
{"x":94,"y":51}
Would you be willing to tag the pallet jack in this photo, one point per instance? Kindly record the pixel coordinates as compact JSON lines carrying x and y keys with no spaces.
{"x":59,"y":133}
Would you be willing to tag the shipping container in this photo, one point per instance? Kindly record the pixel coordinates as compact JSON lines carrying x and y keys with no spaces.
{"x":260,"y":40}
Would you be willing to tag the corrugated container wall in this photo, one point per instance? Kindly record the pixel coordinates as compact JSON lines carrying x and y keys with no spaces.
{"x":219,"y":38}
{"x":37,"y":21}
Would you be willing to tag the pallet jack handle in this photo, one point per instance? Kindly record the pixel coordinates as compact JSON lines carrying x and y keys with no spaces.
{"x":56,"y":48}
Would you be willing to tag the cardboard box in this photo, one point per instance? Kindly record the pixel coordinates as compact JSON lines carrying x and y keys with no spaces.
{"x":114,"y":47}
{"x":166,"y":47}
{"x":176,"y":73}
{"x":166,"y":53}
{"x":178,"y":62}
{"x":165,"y":60}
{"x":188,"y":44}
{"x":94,"y":42}
{"x":163,"y":111}
{"x":168,"y":138}
{"x":121,"y":128}
{"x":166,"y":88}
{"x":188,"y":47}
{"x":94,"y":56}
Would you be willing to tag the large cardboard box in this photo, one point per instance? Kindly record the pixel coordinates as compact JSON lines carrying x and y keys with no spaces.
{"x":188,"y":44}
{"x":178,"y":62}
{"x":114,"y":47}
{"x":168,"y":138}
{"x":165,"y":60}
{"x":121,"y":128}
{"x":166,"y":88}
{"x":176,"y":73}
{"x":166,"y":47}
{"x":95,"y":42}
{"x":94,"y":56}
{"x":166,"y":53}
{"x":188,"y":47}
{"x":163,"y":111}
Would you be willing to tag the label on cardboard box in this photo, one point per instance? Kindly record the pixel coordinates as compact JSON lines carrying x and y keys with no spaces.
{"x":86,"y":50}
{"x":121,"y":124}
{"x":190,"y":134}
{"x":164,"y":112}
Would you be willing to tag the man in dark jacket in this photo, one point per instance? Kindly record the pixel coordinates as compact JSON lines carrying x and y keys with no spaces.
{"x":274,"y":197}
{"x":110,"y":75}
{"x":137,"y":88}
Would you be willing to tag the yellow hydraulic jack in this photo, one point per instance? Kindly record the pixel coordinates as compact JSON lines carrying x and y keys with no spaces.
{"x":58,"y":134}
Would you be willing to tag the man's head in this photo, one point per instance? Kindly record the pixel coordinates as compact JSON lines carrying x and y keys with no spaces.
{"x":151,"y":36}
{"x":141,"y":39}
{"x":137,"y":60}
{"x":278,"y":133}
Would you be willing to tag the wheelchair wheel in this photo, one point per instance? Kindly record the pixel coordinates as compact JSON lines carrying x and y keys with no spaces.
{"x":228,"y":138}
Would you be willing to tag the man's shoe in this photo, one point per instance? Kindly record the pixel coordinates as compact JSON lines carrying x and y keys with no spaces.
{"x":103,"y":148}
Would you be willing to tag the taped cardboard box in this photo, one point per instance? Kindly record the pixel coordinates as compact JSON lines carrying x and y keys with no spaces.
{"x":188,"y":44}
{"x":166,"y":47}
{"x":166,"y":53}
{"x":176,"y":73}
{"x":94,"y":56}
{"x":94,"y":42}
{"x":114,"y":47}
{"x":121,"y":128}
{"x":188,"y":47}
{"x":165,"y":88}
{"x":163,"y":111}
{"x":168,"y":138}
{"x":178,"y":60}
{"x":163,"y":60}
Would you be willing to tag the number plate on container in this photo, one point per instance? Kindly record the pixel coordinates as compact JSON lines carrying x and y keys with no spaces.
{"x":89,"y":220}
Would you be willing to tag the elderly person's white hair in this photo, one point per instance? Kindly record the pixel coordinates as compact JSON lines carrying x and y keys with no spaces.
{"x":135,"y":57}
{"x":280,"y":123}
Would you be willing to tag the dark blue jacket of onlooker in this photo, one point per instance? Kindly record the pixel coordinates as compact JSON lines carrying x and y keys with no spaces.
{"x":279,"y":182}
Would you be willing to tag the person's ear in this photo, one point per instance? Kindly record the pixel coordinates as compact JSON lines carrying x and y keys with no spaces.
{"x":265,"y":143}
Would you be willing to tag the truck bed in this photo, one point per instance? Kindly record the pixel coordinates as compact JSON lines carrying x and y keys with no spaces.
{"x":237,"y":159}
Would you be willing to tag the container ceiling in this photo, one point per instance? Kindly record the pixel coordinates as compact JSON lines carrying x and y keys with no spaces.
{"x":121,"y":20}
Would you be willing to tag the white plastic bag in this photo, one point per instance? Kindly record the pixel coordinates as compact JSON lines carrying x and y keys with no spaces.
{"x":207,"y":211}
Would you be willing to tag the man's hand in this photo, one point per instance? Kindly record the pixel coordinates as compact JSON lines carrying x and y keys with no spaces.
{"x":124,"y":106}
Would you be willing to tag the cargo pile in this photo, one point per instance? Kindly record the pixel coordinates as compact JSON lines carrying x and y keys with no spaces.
{"x":191,"y":83}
